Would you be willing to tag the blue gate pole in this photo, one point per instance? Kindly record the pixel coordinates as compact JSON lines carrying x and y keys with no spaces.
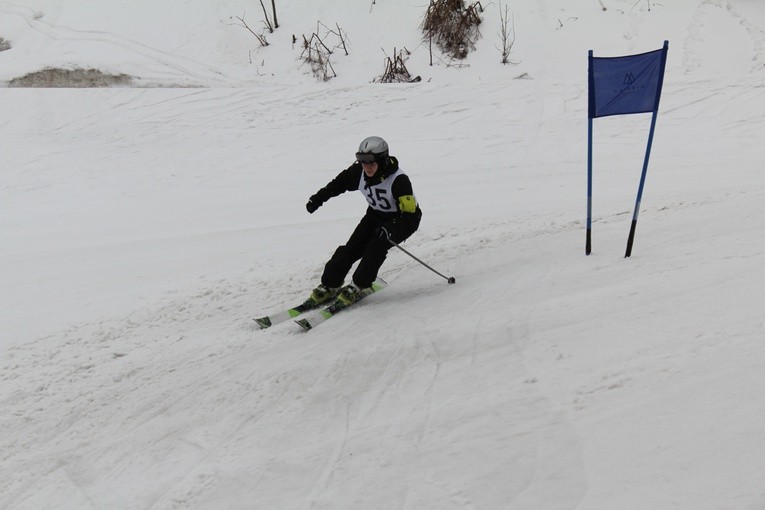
{"x":590,"y":115}
{"x":631,"y":238}
{"x":588,"y":243}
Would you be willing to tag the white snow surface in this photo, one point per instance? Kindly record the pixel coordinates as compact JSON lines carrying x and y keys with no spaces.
{"x":143,"y":228}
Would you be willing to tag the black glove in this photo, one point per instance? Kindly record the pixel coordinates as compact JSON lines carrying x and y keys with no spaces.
{"x":313,"y":204}
{"x":382,"y":233}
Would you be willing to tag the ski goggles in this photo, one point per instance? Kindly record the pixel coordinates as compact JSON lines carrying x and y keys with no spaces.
{"x":365,"y":157}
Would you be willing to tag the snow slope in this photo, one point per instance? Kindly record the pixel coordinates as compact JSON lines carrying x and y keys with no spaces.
{"x":144,"y":227}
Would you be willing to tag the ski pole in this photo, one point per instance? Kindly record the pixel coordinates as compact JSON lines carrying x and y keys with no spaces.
{"x":449,"y":279}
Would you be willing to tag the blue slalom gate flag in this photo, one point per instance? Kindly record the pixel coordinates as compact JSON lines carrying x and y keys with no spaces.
{"x":620,"y":86}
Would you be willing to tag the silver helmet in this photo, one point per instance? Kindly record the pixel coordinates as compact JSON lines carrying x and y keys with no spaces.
{"x":372,"y":149}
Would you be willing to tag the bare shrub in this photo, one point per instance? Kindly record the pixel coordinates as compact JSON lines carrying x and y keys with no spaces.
{"x":267,"y":22}
{"x":4,"y":45}
{"x":269,"y":25}
{"x":317,"y":50}
{"x":316,"y":54}
{"x":506,"y":33}
{"x":452,"y":26}
{"x":260,"y":37}
{"x":395,"y":69}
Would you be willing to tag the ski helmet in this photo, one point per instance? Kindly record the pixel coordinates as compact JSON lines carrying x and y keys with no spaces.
{"x":372,"y":149}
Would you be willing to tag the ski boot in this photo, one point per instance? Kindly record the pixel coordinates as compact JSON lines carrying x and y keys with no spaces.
{"x":322,"y":294}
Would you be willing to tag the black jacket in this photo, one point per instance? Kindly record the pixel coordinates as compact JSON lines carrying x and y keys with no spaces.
{"x":399,"y":223}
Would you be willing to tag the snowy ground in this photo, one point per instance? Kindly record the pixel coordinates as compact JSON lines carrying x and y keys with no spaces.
{"x":144,"y":227}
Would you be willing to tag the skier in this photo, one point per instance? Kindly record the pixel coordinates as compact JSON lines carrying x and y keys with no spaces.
{"x":393,"y":215}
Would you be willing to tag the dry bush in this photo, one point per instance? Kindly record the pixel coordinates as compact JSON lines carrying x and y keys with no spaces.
{"x":260,"y":37}
{"x":395,"y":69}
{"x":452,"y":26}
{"x":4,"y":45}
{"x":316,"y":54}
{"x":317,"y":50}
{"x":269,"y":25}
{"x":506,"y":33}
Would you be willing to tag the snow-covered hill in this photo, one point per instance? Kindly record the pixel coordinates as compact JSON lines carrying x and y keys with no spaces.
{"x":144,"y":227}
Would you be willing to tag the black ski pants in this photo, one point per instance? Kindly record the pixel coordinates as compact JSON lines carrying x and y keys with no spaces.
{"x":365,"y":246}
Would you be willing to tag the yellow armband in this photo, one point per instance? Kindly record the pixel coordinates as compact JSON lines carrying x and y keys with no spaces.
{"x":407,"y":204}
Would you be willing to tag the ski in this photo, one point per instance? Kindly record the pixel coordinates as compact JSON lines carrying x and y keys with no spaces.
{"x":317,"y":317}
{"x":289,"y":313}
